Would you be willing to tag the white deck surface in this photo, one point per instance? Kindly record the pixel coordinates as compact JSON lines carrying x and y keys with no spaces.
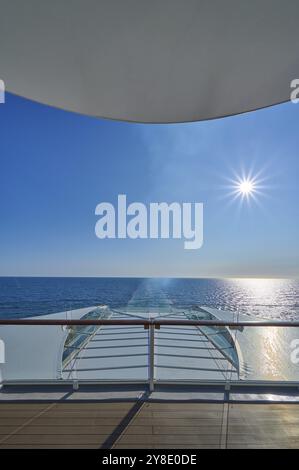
{"x":121,"y":353}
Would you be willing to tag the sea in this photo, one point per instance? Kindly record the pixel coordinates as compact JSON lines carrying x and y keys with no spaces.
{"x":263,"y":298}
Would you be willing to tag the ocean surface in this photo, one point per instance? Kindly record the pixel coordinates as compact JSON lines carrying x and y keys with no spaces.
{"x":31,"y":296}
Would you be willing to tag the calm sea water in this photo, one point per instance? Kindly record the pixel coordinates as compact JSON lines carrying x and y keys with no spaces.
{"x":269,"y":298}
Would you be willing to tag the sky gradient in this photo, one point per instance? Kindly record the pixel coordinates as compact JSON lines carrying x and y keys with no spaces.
{"x":56,"y":166}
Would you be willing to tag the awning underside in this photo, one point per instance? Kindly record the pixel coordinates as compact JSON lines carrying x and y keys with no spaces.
{"x":135,"y":60}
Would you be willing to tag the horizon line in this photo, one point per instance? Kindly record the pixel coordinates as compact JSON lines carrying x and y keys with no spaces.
{"x":149,"y":277}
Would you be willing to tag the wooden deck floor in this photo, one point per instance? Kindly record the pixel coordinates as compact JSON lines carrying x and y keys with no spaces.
{"x":148,"y":425}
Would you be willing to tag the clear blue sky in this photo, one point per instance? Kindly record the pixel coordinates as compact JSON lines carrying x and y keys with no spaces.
{"x":55,"y":167}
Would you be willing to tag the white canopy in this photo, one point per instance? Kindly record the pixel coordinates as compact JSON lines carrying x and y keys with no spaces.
{"x":35,"y":352}
{"x":150,"y":61}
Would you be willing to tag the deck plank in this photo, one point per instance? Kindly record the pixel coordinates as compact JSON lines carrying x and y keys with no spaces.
{"x":154,"y":425}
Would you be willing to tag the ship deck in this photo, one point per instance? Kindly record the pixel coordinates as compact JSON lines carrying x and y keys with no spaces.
{"x":132,"y":385}
{"x":134,"y":418}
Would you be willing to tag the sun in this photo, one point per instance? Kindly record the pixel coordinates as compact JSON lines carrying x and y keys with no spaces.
{"x":246,"y":187}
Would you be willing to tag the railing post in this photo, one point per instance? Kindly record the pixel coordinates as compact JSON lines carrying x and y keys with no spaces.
{"x":75,"y":384}
{"x":151,"y":363}
{"x":227,"y":390}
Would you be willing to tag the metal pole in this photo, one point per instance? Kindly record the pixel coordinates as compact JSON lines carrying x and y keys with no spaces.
{"x":151,"y":363}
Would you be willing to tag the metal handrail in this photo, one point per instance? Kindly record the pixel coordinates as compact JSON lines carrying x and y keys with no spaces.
{"x":151,"y":325}
{"x":148,"y":323}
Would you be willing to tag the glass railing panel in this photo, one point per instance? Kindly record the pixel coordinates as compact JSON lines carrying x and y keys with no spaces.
{"x":113,"y":353}
{"x":79,"y":336}
{"x":186,"y":353}
{"x":58,"y":353}
{"x":222,"y":338}
{"x":33,"y":353}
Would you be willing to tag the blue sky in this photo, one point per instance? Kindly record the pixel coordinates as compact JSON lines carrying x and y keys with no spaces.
{"x":55,"y":167}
